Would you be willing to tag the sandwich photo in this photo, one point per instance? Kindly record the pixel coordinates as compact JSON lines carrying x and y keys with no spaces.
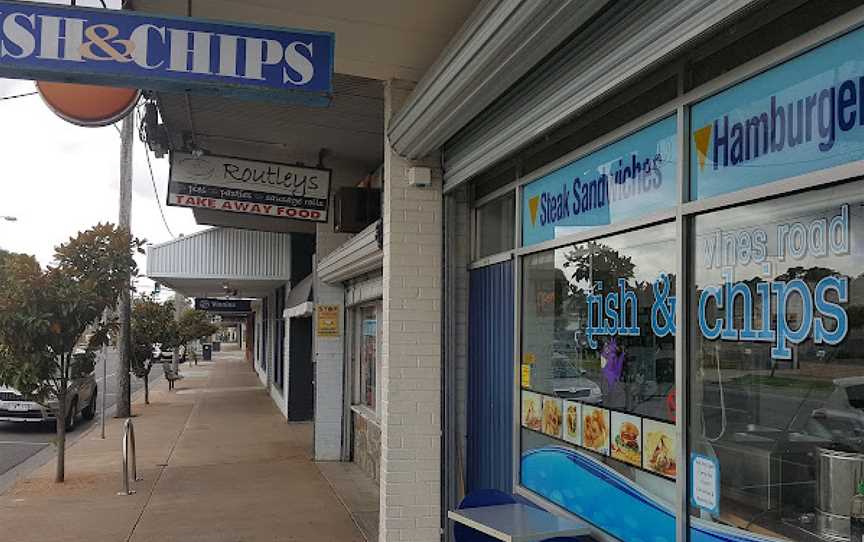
{"x":660,"y":448}
{"x":627,"y":440}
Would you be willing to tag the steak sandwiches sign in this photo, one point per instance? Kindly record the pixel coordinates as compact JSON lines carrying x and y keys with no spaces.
{"x":123,"y":48}
{"x":243,"y":186}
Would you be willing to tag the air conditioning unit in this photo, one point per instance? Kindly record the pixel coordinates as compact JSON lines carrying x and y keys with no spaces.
{"x":355,"y":208}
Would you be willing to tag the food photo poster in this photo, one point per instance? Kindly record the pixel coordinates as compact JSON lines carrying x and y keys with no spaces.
{"x":531,"y":410}
{"x":595,"y":429}
{"x":573,"y":422}
{"x":661,"y":448}
{"x":627,"y":438}
{"x":552,"y":417}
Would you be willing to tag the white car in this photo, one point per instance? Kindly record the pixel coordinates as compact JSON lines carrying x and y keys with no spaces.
{"x":81,"y":400}
{"x":167,"y":353}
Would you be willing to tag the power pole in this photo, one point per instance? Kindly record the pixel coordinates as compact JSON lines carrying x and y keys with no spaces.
{"x":124,"y":304}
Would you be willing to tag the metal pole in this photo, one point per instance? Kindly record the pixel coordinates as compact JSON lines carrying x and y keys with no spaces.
{"x":104,"y":384}
{"x":179,"y":308}
{"x":127,"y":429}
{"x":124,"y":399}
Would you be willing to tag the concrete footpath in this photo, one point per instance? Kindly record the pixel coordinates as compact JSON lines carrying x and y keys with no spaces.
{"x":219,"y":464}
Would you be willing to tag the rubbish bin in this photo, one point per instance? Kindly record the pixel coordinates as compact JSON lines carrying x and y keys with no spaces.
{"x":206,"y":352}
{"x":217,"y":346}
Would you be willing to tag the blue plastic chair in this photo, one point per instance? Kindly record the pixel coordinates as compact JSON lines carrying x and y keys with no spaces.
{"x":490,"y":497}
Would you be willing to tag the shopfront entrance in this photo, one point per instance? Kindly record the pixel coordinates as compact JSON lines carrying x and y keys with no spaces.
{"x":301,"y":393}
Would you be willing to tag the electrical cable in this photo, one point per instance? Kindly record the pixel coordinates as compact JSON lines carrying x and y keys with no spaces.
{"x":156,"y":194}
{"x":152,"y":177}
{"x":12,"y":97}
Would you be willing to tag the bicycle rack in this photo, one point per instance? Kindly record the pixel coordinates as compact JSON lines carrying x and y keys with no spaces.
{"x":129,"y":438}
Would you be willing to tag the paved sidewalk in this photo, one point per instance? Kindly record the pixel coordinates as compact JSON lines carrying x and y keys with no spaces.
{"x":219,"y":464}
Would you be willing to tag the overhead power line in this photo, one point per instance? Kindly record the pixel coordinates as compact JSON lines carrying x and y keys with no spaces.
{"x":153,"y":178}
{"x":12,"y":97}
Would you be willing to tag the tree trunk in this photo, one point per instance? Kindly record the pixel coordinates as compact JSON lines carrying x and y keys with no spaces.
{"x":60,"y":476}
{"x":147,"y":388}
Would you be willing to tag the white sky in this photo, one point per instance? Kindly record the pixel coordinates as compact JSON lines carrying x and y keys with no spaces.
{"x":58,"y":178}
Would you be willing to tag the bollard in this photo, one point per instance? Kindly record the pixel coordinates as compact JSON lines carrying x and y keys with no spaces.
{"x":129,"y":441}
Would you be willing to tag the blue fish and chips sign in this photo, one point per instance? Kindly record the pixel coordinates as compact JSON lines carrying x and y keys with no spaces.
{"x":124,"y":48}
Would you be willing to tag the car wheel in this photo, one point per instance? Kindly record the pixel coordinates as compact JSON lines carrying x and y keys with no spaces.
{"x":72,"y":415}
{"x":90,"y":412}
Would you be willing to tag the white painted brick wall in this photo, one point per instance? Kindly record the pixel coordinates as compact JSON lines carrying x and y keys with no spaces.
{"x":411,"y":348}
{"x":329,"y":358}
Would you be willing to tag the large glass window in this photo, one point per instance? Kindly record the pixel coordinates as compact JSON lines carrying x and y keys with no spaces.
{"x":496,"y":225}
{"x":598,"y":377}
{"x":366,"y":355}
{"x":777,"y":365}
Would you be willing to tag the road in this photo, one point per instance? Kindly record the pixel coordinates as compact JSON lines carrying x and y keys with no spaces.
{"x":20,"y":441}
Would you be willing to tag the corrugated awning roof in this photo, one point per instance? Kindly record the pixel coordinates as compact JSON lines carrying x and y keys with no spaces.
{"x":222,"y":261}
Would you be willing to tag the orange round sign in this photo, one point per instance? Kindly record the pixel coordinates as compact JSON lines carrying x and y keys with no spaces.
{"x":88,"y":105}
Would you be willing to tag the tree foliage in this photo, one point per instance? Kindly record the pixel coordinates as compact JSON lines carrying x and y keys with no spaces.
{"x":194,"y":325}
{"x":152,"y":323}
{"x":44,"y":314}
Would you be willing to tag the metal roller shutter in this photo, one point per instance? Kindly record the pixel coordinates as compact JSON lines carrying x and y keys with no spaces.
{"x":624,"y":41}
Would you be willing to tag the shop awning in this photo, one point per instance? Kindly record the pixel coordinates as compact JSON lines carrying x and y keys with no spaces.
{"x":222,"y":261}
{"x":299,"y":300}
{"x":362,"y":254}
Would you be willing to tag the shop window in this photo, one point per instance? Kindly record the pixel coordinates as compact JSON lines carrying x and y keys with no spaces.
{"x":366,"y":355}
{"x":777,"y":365}
{"x":496,"y":223}
{"x":598,"y":378}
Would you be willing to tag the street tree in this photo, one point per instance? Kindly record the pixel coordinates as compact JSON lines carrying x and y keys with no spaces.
{"x":50,"y":327}
{"x":194,"y":325}
{"x":152,"y":323}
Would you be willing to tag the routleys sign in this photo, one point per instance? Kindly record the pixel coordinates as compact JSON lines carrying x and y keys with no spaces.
{"x":122,"y":48}
{"x":802,"y":116}
{"x":223,"y":183}
{"x":629,"y":178}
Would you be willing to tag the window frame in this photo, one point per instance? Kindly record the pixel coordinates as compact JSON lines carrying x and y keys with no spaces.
{"x":356,"y":346}
{"x":682,"y":212}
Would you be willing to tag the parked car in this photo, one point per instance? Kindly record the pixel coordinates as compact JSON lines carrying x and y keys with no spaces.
{"x":162,"y":354}
{"x":80,"y":400}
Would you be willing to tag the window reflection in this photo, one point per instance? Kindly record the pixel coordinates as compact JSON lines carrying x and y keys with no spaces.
{"x":590,"y":357}
{"x":781,"y":412}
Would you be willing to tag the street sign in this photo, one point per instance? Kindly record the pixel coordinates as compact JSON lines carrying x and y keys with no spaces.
{"x":223,"y":305}
{"x":125,"y":49}
{"x":229,"y":184}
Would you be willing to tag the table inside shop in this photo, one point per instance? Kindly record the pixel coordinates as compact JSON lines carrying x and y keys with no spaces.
{"x":518,"y":522}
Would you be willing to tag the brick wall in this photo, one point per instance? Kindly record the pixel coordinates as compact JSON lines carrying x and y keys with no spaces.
{"x":329,"y":358}
{"x":329,"y":351}
{"x":411,"y":347}
{"x":367,"y":445}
